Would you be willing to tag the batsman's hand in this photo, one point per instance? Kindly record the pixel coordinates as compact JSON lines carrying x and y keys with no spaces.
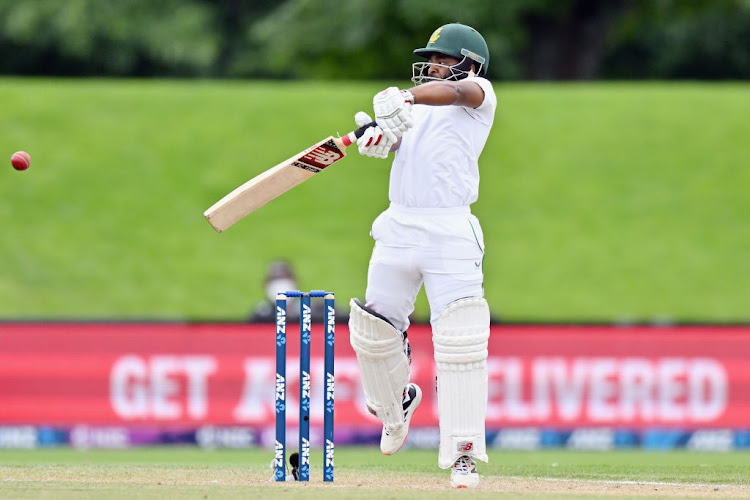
{"x":393,"y":110}
{"x":375,"y":142}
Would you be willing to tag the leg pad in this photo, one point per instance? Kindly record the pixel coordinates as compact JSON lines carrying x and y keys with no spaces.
{"x":383,"y":363}
{"x":460,"y":337}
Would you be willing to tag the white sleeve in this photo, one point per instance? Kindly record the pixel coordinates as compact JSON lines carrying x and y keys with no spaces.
{"x":485,"y":112}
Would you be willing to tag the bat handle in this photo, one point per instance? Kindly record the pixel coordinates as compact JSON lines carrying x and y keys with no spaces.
{"x":352,"y":137}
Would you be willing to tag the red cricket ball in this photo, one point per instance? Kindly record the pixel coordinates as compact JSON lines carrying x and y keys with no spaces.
{"x":20,"y":160}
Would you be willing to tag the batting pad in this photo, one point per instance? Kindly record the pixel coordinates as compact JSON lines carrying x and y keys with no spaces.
{"x":460,"y":336}
{"x":383,"y":364}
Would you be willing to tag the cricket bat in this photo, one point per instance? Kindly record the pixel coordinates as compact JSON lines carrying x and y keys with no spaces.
{"x":278,"y":180}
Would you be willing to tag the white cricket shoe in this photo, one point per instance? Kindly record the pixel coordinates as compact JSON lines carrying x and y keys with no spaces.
{"x":464,"y":473}
{"x":392,"y":441}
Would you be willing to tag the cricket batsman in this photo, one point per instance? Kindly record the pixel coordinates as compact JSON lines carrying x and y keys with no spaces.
{"x":429,"y":236}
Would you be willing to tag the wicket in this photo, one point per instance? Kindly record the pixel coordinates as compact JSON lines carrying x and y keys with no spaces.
{"x":304,"y":383}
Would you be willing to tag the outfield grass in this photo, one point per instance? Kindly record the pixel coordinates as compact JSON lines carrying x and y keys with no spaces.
{"x":598,"y":201}
{"x":365,"y":473}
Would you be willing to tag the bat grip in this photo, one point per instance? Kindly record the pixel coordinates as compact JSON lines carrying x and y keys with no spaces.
{"x":361,"y":130}
{"x":352,"y":137}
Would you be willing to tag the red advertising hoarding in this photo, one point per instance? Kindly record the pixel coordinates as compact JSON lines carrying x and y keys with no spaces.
{"x":189,"y":375}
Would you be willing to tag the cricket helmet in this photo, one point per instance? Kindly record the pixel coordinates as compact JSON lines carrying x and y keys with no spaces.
{"x":456,"y":40}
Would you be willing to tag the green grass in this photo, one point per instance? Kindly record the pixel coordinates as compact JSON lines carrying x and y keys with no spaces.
{"x":363,"y":473}
{"x":598,"y":201}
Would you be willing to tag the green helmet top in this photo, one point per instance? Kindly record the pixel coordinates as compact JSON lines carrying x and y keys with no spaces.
{"x":459,"y":41}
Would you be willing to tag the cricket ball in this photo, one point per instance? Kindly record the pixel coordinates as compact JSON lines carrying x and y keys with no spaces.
{"x":20,"y":160}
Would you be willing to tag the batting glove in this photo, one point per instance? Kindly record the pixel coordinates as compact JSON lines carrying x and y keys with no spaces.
{"x":375,"y":142}
{"x":393,"y":110}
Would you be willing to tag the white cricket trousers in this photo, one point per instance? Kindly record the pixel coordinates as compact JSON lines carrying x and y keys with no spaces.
{"x":440,"y":247}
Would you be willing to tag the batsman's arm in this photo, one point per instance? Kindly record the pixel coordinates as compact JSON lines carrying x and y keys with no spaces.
{"x":461,"y":93}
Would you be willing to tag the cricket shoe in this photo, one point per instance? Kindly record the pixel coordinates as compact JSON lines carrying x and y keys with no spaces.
{"x":464,"y":473}
{"x":392,"y":441}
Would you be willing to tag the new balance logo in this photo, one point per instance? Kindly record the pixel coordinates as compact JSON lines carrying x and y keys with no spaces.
{"x":322,"y":156}
{"x":465,"y":446}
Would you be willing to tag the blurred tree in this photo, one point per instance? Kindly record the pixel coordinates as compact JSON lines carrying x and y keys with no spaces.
{"x":233,"y":18}
{"x":375,"y":38}
{"x":112,"y":37}
{"x":528,"y":39}
{"x":682,"y":39}
{"x":566,"y":40}
{"x":326,"y":39}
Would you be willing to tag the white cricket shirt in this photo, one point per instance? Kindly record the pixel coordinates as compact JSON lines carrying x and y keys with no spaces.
{"x":436,"y":165}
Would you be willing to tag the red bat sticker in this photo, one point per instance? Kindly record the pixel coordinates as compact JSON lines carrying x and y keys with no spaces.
{"x":323,"y":156}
